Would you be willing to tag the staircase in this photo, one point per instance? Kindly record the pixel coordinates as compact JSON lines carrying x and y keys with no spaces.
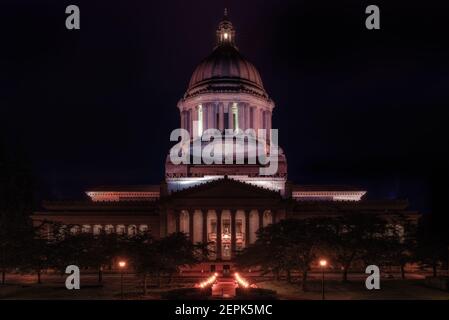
{"x":224,"y":288}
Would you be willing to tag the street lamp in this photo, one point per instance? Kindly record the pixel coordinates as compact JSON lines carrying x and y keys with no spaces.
{"x":122,"y":266}
{"x":323,"y":264}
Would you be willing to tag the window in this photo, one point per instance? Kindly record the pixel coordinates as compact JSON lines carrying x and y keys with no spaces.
{"x":213,"y":226}
{"x":143,"y":228}
{"x":97,"y":229}
{"x":238,"y":226}
{"x":75,"y":229}
{"x":132,"y":230}
{"x":217,"y":121}
{"x":235,"y":116}
{"x":86,"y":228}
{"x":226,"y":226}
{"x":226,"y":120}
{"x":120,"y":229}
{"x":109,"y":229}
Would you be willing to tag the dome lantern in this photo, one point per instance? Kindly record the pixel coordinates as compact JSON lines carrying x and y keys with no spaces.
{"x":225,"y":31}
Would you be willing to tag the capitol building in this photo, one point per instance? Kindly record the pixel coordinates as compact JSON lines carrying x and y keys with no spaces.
{"x":223,"y":204}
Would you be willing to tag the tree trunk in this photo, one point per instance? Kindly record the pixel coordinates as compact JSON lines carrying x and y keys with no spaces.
{"x":403,"y":271}
{"x":345,"y":273}
{"x":346,"y":266}
{"x":39,"y":277}
{"x":434,"y":269}
{"x":304,"y":281}
{"x":145,"y":284}
{"x":3,"y":276}
{"x":277,"y":275}
{"x":158,"y":279}
{"x":289,"y":276}
{"x":100,"y":275}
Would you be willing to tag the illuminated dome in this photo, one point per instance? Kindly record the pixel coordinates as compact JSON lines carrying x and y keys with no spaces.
{"x":225,"y":69}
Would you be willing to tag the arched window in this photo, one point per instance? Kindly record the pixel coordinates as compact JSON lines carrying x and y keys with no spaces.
{"x":143,"y":228}
{"x":97,"y":229}
{"x":120,"y":229}
{"x":132,"y":230}
{"x":109,"y":229}
{"x":75,"y":230}
{"x":63,"y":230}
{"x":86,"y":228}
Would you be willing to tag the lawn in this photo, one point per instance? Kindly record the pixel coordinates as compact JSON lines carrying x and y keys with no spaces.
{"x":53,"y":288}
{"x":355,"y":290}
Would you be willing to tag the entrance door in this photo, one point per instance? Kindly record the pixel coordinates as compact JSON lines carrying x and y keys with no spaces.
{"x":226,"y":270}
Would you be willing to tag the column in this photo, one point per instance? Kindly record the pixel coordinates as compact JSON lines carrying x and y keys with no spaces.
{"x":194,"y":122}
{"x":178,"y":220}
{"x":211,"y":116}
{"x":233,"y":233}
{"x":261,"y":212}
{"x":190,"y":122}
{"x":241,"y":117}
{"x":204,"y":214}
{"x":247,"y":115}
{"x":218,"y":234}
{"x":270,"y":118}
{"x":183,"y":120}
{"x":256,"y":119}
{"x":191,"y":213}
{"x":247,"y":227}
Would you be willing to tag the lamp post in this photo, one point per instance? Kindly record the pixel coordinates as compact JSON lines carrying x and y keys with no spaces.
{"x":323,"y":264}
{"x":122,"y":266}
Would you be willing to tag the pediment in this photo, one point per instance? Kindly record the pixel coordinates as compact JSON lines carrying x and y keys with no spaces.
{"x":227,"y":189}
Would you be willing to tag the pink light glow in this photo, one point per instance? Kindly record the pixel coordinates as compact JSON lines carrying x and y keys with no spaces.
{"x":242,"y":282}
{"x":209,"y":281}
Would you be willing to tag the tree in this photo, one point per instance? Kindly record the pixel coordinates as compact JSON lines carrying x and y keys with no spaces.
{"x":154,"y":258}
{"x":432,"y":249}
{"x":85,"y":250}
{"x":285,"y":246}
{"x":145,"y":257}
{"x":399,"y":243}
{"x":264,"y":253}
{"x":36,"y":254}
{"x":355,"y":237}
{"x":16,"y":203}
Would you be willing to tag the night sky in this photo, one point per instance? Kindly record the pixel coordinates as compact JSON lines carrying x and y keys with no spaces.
{"x":96,"y":106}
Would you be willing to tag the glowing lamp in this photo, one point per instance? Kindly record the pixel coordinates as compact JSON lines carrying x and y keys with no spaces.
{"x":122,"y":264}
{"x":323,"y":263}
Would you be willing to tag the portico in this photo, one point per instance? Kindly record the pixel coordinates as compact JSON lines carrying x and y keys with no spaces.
{"x":226,"y":216}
